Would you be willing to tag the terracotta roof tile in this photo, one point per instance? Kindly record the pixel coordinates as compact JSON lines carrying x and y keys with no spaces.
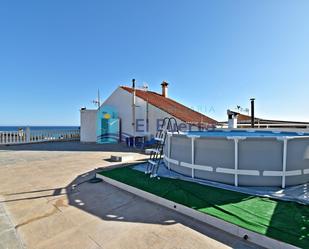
{"x":242,"y":119}
{"x":172,"y":107}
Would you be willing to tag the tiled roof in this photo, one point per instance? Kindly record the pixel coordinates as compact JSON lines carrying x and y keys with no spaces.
{"x":172,"y":107}
{"x":242,"y":118}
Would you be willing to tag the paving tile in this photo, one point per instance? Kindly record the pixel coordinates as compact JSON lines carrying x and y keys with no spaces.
{"x":70,"y":239}
{"x":2,"y":211}
{"x":9,"y":240}
{"x":5,"y":223}
{"x":43,"y":228}
{"x":92,"y":216}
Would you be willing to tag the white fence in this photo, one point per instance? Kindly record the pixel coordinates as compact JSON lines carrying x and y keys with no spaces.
{"x":268,"y":126}
{"x":274,"y":125}
{"x":36,"y":136}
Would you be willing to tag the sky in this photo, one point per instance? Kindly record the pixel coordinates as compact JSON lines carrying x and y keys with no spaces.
{"x":55,"y":54}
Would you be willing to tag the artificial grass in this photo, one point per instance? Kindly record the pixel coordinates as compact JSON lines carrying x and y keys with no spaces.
{"x":281,"y":220}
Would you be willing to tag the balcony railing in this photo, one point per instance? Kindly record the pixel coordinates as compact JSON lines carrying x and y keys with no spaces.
{"x":36,"y":136}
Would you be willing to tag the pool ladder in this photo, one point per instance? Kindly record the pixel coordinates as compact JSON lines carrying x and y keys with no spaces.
{"x":156,"y":153}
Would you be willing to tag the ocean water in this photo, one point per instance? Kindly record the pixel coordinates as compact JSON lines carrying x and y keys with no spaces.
{"x":33,"y":128}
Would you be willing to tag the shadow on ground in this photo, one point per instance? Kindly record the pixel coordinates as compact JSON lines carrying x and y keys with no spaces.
{"x":112,"y":204}
{"x":69,"y":146}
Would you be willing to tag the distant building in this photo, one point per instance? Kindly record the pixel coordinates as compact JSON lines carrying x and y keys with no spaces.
{"x":138,"y":112}
{"x":244,"y":121}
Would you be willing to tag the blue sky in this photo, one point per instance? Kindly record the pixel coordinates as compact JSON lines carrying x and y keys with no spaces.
{"x":55,"y":54}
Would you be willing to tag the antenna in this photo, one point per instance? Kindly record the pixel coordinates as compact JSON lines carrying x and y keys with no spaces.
{"x":97,"y":101}
{"x":145,"y":87}
{"x":240,"y":109}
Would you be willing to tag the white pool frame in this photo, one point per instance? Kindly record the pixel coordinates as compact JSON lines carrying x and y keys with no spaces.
{"x":187,"y":164}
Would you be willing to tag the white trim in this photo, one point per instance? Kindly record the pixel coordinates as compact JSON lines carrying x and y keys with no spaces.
{"x":192,"y":156}
{"x":236,"y":162}
{"x":169,"y":160}
{"x":280,"y":173}
{"x":193,"y":136}
{"x":283,"y":138}
{"x":285,"y":146}
{"x":236,"y":141}
{"x":306,"y":171}
{"x":296,"y":172}
{"x":169,"y":149}
{"x":148,"y":151}
{"x":238,"y":171}
{"x":196,"y":166}
{"x":225,"y":170}
{"x":236,"y":138}
{"x":152,"y":162}
{"x":159,"y":139}
{"x":230,"y":228}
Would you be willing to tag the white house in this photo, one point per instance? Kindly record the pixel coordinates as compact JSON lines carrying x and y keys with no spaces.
{"x":140,"y":113}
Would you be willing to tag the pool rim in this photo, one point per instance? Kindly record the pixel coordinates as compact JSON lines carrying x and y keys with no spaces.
{"x":283,"y":172}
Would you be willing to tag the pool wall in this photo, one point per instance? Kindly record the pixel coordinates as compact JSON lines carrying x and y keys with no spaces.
{"x":240,"y":161}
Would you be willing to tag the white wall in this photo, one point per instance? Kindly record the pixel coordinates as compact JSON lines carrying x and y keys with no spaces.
{"x":157,"y":114}
{"x":121,"y":100}
{"x":88,"y":120}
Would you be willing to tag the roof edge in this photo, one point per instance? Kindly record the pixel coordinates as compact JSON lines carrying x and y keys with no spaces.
{"x":213,"y":120}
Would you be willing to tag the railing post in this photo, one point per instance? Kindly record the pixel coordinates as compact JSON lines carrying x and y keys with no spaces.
{"x":285,"y":146}
{"x":236,"y":162}
{"x":168,"y":148}
{"x":28,"y":134}
{"x":192,"y":155}
{"x":236,"y":154}
{"x":284,"y":158}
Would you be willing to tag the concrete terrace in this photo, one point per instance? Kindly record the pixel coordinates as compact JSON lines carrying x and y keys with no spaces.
{"x":46,"y":202}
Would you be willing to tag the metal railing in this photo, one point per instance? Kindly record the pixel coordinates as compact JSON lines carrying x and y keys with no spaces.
{"x":275,"y":125}
{"x":36,"y":136}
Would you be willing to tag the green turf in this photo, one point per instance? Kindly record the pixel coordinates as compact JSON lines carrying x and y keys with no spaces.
{"x":285,"y":221}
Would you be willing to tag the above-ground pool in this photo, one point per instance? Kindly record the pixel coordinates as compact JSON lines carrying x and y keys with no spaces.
{"x":240,"y":158}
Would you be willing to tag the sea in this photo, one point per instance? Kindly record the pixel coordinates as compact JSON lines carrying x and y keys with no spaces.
{"x":33,"y":128}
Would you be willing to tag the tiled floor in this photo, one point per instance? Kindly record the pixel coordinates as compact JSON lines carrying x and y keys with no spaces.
{"x":45,"y":192}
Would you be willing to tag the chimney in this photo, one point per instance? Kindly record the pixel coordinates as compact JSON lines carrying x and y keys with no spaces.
{"x":133,"y":84}
{"x":232,"y":119}
{"x":164,"y":89}
{"x":252,"y":112}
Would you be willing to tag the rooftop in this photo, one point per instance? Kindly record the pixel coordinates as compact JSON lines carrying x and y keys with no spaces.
{"x":45,"y":190}
{"x":172,"y":107}
{"x":243,"y":118}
